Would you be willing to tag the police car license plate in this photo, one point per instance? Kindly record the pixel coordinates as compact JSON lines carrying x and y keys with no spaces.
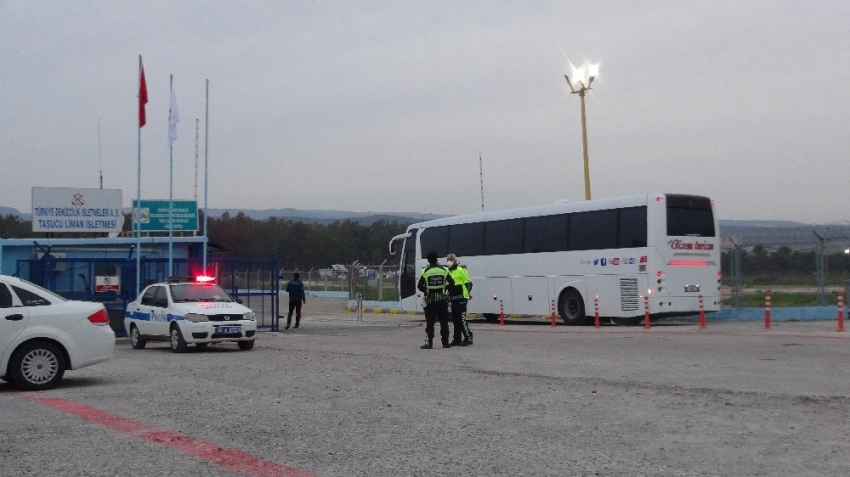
{"x":226,"y":330}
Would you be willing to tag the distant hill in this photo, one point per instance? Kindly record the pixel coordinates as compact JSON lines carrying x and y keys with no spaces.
{"x":327,"y":216}
{"x":4,"y":211}
{"x":769,"y":233}
{"x":296,"y":215}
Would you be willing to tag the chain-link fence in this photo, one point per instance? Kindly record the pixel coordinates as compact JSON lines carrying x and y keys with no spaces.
{"x":372,"y":282}
{"x":811,"y":267}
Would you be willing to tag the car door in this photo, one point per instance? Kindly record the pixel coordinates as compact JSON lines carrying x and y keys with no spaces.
{"x":13,"y":318}
{"x":146,"y":311}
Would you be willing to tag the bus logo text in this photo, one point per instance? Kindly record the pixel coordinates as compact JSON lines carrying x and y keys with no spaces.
{"x":682,"y":245}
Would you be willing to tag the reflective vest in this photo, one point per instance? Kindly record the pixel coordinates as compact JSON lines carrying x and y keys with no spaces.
{"x":461,"y":278}
{"x":435,"y":283}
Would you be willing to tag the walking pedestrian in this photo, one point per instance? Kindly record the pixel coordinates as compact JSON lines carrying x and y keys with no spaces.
{"x":459,"y":296}
{"x":295,"y":288}
{"x":433,"y":284}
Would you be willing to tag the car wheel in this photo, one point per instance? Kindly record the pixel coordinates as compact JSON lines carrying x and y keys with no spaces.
{"x":37,"y":365}
{"x":571,"y":308}
{"x":201,"y":345}
{"x":246,"y":345}
{"x":136,"y":340}
{"x":178,"y":344}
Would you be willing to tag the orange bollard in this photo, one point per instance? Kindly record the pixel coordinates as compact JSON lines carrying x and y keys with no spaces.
{"x":767,"y":310}
{"x":501,"y":314}
{"x":553,"y":313}
{"x":840,"y":311}
{"x":596,"y":311}
{"x":646,"y":312}
{"x":701,"y":314}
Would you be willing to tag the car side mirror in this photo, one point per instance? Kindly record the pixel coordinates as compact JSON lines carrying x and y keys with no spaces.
{"x":239,"y":300}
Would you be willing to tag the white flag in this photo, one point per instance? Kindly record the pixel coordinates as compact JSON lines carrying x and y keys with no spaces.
{"x":173,"y":119}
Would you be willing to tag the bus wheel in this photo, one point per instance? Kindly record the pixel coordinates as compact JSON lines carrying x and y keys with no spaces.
{"x":571,"y":308}
{"x":491,"y":317}
{"x":630,"y":321}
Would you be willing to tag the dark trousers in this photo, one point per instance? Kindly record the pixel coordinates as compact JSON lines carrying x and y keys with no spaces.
{"x":294,"y":305}
{"x":461,"y":327}
{"x":434,"y":312}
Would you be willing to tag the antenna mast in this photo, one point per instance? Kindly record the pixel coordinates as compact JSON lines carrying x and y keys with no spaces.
{"x":99,"y":157}
{"x":481,"y":175}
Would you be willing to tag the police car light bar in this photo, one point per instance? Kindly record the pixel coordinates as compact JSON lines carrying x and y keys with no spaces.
{"x":204,"y":279}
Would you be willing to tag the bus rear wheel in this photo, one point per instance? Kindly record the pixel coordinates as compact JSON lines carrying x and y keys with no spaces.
{"x":491,"y":317}
{"x":571,"y":308}
{"x":629,"y":321}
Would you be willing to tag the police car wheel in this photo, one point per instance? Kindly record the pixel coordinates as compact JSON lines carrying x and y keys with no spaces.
{"x":246,"y":345}
{"x":136,"y":340}
{"x":178,"y":344}
{"x":37,"y":365}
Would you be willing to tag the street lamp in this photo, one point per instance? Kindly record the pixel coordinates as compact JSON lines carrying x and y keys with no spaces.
{"x":582,"y":78}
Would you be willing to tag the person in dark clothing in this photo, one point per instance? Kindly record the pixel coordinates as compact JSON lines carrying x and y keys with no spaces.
{"x":295,"y":288}
{"x":433,"y":283}
{"x":459,"y":296}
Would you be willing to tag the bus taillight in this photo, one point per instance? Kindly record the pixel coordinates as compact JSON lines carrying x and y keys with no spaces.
{"x":689,"y":263}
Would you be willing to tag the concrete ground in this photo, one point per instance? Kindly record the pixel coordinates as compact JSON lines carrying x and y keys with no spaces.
{"x":348,"y":397}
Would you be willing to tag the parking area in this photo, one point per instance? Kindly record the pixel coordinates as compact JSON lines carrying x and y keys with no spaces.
{"x":348,"y":397}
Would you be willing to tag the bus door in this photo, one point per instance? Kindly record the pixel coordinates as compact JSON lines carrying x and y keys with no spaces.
{"x":407,"y":279}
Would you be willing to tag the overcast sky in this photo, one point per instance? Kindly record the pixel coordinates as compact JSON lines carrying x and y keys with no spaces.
{"x":386,"y":106}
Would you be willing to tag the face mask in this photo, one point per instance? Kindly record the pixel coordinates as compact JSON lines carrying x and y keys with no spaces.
{"x":452,"y":263}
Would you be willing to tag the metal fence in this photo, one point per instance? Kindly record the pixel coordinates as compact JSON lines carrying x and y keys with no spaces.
{"x":254,"y":281}
{"x":372,"y":282}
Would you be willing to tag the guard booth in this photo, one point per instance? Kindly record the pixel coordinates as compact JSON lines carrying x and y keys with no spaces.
{"x":105,"y":270}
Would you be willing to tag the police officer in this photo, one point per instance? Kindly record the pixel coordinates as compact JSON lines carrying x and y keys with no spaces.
{"x":459,"y":296}
{"x":433,"y":282}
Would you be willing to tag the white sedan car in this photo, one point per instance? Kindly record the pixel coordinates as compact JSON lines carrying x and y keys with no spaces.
{"x":42,"y":334}
{"x":186,"y":312}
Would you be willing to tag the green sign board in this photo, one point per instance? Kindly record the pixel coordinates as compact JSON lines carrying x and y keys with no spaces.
{"x":152,"y":215}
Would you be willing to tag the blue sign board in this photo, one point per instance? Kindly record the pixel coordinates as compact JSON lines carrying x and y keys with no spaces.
{"x":152,"y":215}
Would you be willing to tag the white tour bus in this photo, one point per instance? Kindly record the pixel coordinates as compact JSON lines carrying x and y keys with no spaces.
{"x":665,"y":247}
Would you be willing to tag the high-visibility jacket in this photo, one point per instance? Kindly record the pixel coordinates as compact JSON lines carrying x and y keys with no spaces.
{"x":433,"y":282}
{"x":462,"y":283}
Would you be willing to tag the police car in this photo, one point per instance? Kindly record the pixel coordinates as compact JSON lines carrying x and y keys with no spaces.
{"x":183,"y":312}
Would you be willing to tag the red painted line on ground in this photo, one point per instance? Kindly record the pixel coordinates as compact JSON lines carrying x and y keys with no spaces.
{"x":232,"y":459}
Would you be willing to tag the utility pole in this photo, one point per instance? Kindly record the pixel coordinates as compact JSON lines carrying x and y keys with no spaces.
{"x":481,"y":178}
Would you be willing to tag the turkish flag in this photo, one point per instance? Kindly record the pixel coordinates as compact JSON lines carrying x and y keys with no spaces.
{"x":143,"y":93}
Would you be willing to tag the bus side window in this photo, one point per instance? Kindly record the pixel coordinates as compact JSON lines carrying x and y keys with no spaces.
{"x":632,"y":227}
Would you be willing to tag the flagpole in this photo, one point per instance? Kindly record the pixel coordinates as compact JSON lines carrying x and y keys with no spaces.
{"x":170,"y":185}
{"x":206,"y":170}
{"x":136,"y":225}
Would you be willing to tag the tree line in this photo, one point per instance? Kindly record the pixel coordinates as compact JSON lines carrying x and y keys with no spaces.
{"x":305,"y":245}
{"x":785,"y":262}
{"x":296,"y":244}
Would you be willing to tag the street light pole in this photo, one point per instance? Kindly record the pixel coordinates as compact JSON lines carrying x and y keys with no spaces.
{"x":584,"y":145}
{"x":586,"y":76}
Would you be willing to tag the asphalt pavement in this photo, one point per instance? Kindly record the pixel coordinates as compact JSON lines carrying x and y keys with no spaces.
{"x":349,"y":396}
